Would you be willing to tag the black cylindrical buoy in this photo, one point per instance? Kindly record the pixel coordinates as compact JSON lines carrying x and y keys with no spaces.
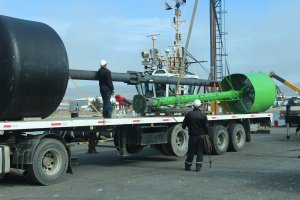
{"x":34,"y":69}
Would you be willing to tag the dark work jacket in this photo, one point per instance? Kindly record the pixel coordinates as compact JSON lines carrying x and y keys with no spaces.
{"x":196,"y":121}
{"x":104,"y":77}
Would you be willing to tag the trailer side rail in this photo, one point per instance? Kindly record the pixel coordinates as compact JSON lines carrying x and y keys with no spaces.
{"x":82,"y":122}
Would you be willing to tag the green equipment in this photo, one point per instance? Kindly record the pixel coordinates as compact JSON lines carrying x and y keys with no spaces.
{"x":239,"y":93}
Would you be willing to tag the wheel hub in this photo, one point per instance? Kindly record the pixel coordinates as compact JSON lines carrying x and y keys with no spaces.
{"x":220,"y":140}
{"x":238,"y":138}
{"x":50,"y":162}
{"x":47,"y":161}
{"x":180,"y":139}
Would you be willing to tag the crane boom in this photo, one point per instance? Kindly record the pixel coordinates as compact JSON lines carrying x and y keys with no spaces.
{"x":285,"y":82}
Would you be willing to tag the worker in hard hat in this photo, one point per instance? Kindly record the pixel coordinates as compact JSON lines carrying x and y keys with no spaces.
{"x":197,"y":124}
{"x":106,"y":88}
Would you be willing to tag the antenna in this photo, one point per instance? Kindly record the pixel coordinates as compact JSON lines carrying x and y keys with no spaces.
{"x":153,"y":39}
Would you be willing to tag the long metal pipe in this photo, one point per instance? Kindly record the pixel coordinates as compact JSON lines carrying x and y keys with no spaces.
{"x":285,"y":82}
{"x":137,"y":77}
{"x":140,"y":103}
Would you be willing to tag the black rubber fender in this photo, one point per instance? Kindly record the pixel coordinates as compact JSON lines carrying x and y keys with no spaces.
{"x":34,"y":69}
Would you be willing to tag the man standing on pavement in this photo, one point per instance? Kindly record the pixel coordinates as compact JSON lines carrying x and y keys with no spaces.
{"x":197,"y":124}
{"x":106,"y":88}
{"x":297,"y":130}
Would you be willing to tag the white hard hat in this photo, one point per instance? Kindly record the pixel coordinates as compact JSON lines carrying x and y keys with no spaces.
{"x":103,"y":63}
{"x":197,"y":103}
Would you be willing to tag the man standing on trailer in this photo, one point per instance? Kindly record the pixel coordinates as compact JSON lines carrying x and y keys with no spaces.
{"x":106,"y":88}
{"x":197,"y":124}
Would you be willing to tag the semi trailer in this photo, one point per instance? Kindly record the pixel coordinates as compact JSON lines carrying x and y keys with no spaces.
{"x":40,"y":147}
{"x":34,"y":76}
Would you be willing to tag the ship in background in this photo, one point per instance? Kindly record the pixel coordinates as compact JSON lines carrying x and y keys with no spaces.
{"x":176,"y":61}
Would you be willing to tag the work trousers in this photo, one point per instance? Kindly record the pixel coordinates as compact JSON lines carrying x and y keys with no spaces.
{"x":106,"y":95}
{"x":195,"y":146}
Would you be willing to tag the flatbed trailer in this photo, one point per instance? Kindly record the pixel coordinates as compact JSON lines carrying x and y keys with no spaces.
{"x":40,"y":147}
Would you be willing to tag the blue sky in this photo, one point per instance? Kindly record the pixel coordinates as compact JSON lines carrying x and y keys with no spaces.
{"x":263,"y":35}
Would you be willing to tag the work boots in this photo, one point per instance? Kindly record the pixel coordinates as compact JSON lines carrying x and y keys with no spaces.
{"x":187,"y":166}
{"x":198,"y":168}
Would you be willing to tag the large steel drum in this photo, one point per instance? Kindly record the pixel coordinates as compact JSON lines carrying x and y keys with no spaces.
{"x":258,"y":92}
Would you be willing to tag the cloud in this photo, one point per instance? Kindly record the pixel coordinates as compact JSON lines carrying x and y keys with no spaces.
{"x":118,"y":40}
{"x":262,"y":35}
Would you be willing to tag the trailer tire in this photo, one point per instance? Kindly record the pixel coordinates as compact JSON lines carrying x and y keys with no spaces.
{"x":219,"y":139}
{"x":177,"y":141}
{"x":50,"y":162}
{"x":166,"y":150}
{"x":131,"y":148}
{"x":160,"y":148}
{"x":237,"y":137}
{"x":248,"y":136}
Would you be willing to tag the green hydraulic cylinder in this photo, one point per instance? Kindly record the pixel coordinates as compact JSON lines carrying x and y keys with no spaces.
{"x":177,"y":100}
{"x":140,"y":103}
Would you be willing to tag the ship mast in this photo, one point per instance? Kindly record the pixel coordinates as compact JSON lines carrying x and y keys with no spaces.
{"x":175,"y":64}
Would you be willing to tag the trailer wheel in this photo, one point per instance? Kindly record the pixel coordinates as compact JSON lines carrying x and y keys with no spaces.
{"x":219,"y":139}
{"x":248,"y":136}
{"x":166,"y":150}
{"x":50,"y":162}
{"x":131,"y":148}
{"x":160,"y":148}
{"x":237,"y":137}
{"x":177,"y":141}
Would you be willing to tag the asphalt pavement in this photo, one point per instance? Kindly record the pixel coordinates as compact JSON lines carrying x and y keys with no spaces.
{"x":267,"y":168}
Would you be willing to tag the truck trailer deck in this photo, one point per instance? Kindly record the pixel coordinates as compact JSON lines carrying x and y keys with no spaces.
{"x":53,"y":123}
{"x":41,"y":148}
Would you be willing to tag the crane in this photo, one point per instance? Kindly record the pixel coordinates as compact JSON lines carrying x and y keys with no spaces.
{"x":285,"y":82}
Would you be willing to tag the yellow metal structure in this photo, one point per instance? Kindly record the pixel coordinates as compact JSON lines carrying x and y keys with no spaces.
{"x":285,"y":82}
